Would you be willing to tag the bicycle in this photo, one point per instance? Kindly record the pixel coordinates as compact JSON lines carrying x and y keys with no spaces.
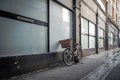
{"x":72,"y":54}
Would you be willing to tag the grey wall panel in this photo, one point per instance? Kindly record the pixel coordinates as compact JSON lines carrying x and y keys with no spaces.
{"x":36,"y":9}
{"x":67,"y":3}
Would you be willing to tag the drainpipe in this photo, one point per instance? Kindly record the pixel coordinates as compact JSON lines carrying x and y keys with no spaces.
{"x":74,"y":21}
{"x":106,"y":35}
{"x":96,"y":32}
{"x":118,"y":38}
{"x":80,"y":23}
{"x":79,"y":17}
{"x":106,"y":28}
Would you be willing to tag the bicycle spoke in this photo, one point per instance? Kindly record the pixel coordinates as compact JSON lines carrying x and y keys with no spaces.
{"x":68,"y":57}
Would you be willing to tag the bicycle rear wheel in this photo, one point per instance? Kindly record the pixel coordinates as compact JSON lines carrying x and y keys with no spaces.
{"x":78,"y":54}
{"x":68,"y":57}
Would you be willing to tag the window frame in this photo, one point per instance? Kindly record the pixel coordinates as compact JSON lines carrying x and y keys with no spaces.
{"x":102,"y":37}
{"x":111,"y":39}
{"x":71,"y":24}
{"x":89,"y":35}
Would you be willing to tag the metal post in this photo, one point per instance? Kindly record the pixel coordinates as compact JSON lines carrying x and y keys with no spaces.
{"x":106,"y":29}
{"x":96,"y":32}
{"x":106,"y":35}
{"x":74,"y":21}
{"x":48,"y":19}
{"x":118,"y":41}
{"x":80,"y":23}
{"x":79,"y":17}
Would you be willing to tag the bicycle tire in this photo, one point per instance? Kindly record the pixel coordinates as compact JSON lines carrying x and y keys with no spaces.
{"x":80,"y":53}
{"x":78,"y":56}
{"x":68,"y":57}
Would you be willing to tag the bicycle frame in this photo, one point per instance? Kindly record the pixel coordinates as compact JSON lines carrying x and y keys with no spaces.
{"x":74,"y":52}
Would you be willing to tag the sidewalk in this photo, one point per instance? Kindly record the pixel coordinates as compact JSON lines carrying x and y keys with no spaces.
{"x":114,"y":74}
{"x":74,"y":72}
{"x":108,"y":70}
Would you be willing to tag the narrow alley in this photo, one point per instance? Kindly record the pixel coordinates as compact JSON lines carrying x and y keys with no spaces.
{"x":59,"y":39}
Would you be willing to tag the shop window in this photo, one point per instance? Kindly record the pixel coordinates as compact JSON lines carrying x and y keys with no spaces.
{"x":101,"y":42}
{"x":60,"y":25}
{"x":115,"y":38}
{"x":91,"y":29}
{"x":111,"y":39}
{"x":101,"y":37}
{"x":84,"y":41}
{"x":84,"y":26}
{"x":91,"y":35}
{"x":91,"y":42}
{"x":84,"y":31}
{"x":36,"y":9}
{"x":20,"y":37}
{"x":87,"y":34}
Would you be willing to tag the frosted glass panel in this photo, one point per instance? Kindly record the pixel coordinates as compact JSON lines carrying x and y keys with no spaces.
{"x":100,"y":42}
{"x":101,"y":33}
{"x":84,"y":26}
{"x":115,"y":43}
{"x":60,"y":25}
{"x":84,"y":41}
{"x":110,"y":42}
{"x":91,"y":29}
{"x":111,"y":35}
{"x":21,"y":38}
{"x":91,"y":42}
{"x":116,"y":37}
{"x":36,"y":9}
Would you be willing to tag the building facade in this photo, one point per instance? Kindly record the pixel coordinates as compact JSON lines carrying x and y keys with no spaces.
{"x":99,"y":25}
{"x":93,"y":22}
{"x":112,"y":15}
{"x":30,"y":31}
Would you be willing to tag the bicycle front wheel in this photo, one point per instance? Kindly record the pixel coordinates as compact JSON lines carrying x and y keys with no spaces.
{"x":68,"y":57}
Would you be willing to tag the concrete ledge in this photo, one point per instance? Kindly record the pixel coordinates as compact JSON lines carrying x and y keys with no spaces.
{"x":16,"y":65}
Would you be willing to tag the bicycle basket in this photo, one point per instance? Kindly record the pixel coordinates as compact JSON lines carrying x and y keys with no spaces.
{"x":66,"y":43}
